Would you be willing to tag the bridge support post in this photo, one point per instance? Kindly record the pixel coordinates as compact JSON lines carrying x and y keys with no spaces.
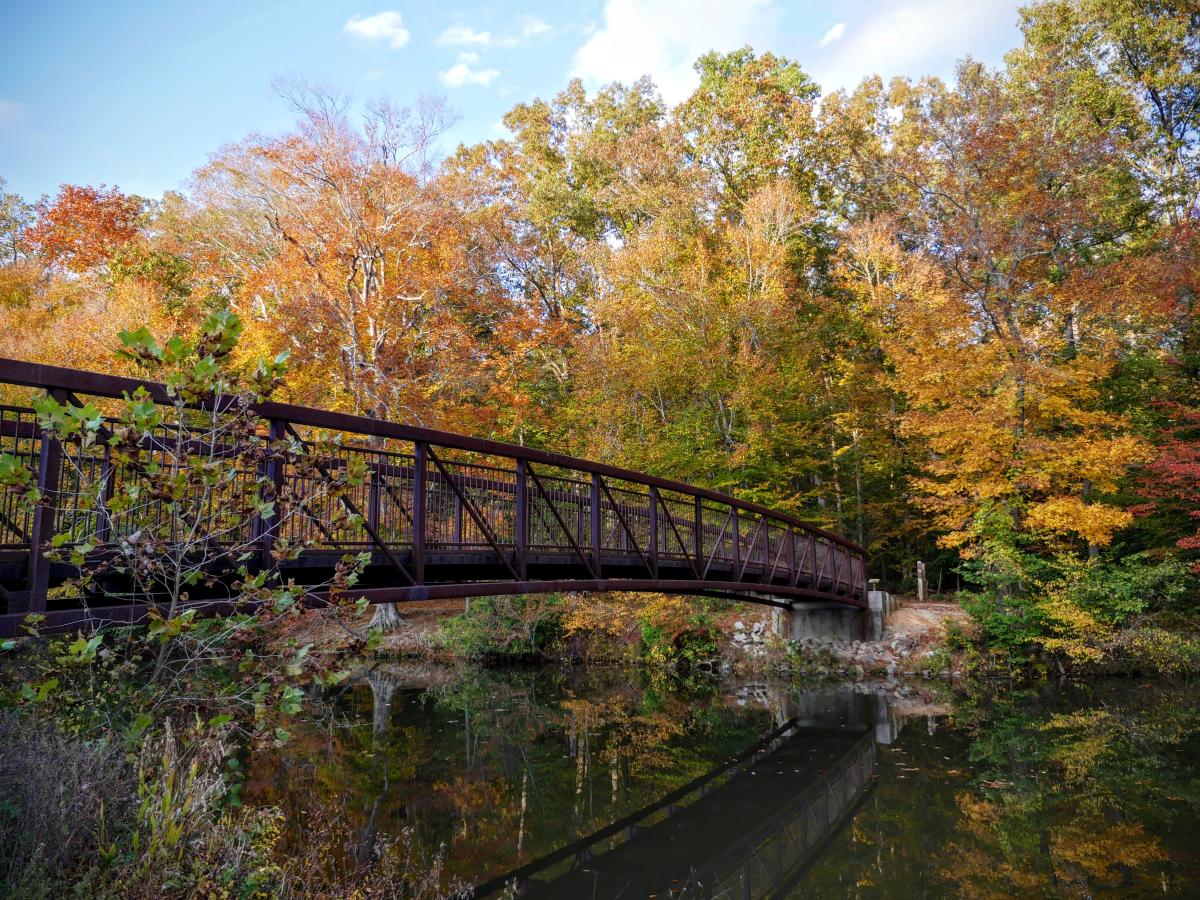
{"x":596,"y":524}
{"x":42,"y":529}
{"x":418,"y":511}
{"x":822,"y":622}
{"x":265,"y":528}
{"x":878,"y":603}
{"x":521,"y":526}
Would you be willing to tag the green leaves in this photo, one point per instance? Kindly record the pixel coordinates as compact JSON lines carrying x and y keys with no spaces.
{"x":140,"y":347}
{"x":66,"y":420}
{"x":291,"y":700}
{"x":39,"y":692}
{"x":137,"y":728}
{"x":166,"y":629}
{"x":141,"y":412}
{"x":331,"y":679}
{"x":296,"y":666}
{"x":83,"y":650}
{"x":220,"y":333}
{"x":14,"y":474}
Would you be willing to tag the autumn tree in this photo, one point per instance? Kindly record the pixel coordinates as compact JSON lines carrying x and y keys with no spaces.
{"x":1136,"y":67}
{"x":980,"y":281}
{"x":84,"y":226}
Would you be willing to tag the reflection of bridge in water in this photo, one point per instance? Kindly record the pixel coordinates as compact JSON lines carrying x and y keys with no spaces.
{"x":749,"y":828}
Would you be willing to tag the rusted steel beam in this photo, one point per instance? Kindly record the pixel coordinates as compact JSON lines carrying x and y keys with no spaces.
{"x":266,"y":527}
{"x":521,"y":536}
{"x":418,"y":507}
{"x":352,"y":508}
{"x":654,"y":530}
{"x":584,"y":558}
{"x":683,"y":547}
{"x":474,"y":512}
{"x":39,"y":375}
{"x":625,"y":525}
{"x":839,"y":576}
{"x":50,"y":460}
{"x":780,"y":596}
{"x":596,"y":525}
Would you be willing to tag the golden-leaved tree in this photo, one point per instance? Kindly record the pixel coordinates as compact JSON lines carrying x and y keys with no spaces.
{"x":339,"y":245}
{"x":1003,"y":204}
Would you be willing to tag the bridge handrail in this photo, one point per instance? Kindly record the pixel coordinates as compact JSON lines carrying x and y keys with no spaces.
{"x":41,"y":375}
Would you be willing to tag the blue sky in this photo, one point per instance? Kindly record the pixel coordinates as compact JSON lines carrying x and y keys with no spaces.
{"x":139,"y":94}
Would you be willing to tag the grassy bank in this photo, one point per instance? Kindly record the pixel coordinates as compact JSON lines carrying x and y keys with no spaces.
{"x":123,"y":770}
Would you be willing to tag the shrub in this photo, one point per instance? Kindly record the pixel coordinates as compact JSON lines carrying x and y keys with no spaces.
{"x":678,"y":631}
{"x":1009,"y":624}
{"x":518,"y":626}
{"x":1116,"y":591}
{"x":84,"y":819}
{"x":60,"y":794}
{"x":1163,"y":652}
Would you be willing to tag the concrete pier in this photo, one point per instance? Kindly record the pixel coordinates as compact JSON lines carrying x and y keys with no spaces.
{"x":834,"y":623}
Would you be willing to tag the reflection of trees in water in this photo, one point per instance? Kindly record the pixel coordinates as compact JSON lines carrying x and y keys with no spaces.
{"x":1091,"y":792}
{"x":499,"y":765}
{"x":1079,"y":802}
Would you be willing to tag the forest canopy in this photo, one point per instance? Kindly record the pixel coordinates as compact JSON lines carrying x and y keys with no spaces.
{"x":953,"y":321}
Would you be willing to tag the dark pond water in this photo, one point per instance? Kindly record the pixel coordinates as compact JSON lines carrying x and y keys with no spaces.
{"x":602,"y":784}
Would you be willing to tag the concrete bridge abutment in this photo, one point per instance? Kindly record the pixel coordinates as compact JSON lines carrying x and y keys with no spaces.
{"x":835,"y":623}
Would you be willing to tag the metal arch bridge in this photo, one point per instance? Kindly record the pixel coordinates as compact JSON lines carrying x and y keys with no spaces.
{"x":442,"y":515}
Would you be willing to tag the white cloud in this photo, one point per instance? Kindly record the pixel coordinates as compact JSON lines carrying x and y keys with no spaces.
{"x":533,"y":27}
{"x":11,"y":112}
{"x":663,"y":38}
{"x":461,"y":73}
{"x":463,"y":35}
{"x":833,"y":34}
{"x":385,"y":27}
{"x":915,"y":38}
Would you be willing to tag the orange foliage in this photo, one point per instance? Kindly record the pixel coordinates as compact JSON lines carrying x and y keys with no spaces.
{"x":84,"y":226}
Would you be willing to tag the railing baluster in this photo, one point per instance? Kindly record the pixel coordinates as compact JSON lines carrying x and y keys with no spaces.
{"x":791,"y":540}
{"x":49,"y":472}
{"x":103,"y":516}
{"x":698,"y":536}
{"x":418,"y":508}
{"x":595,"y":518}
{"x":268,"y":526}
{"x":373,"y":498}
{"x":521,"y":525}
{"x":654,"y":530}
{"x":737,"y":542}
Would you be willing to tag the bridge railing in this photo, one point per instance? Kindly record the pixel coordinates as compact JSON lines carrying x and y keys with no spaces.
{"x":433,"y":501}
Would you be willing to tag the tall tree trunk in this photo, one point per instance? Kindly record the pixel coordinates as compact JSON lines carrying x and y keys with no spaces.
{"x":1093,"y":551}
{"x":858,"y":489}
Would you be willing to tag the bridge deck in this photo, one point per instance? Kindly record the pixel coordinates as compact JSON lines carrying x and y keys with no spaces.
{"x":438,"y":514}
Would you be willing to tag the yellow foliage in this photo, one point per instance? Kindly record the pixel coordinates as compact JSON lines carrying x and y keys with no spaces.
{"x":1063,"y":515}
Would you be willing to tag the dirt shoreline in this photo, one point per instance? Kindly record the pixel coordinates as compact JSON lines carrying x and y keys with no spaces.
{"x":914,"y":641}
